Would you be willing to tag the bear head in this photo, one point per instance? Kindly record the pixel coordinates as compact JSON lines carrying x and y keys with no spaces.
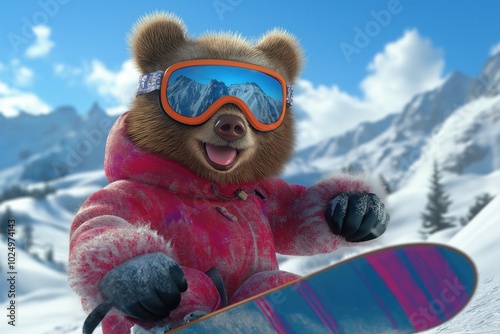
{"x":160,"y":40}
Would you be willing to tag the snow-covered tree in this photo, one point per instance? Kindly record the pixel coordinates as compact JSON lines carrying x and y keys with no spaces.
{"x":4,"y":222}
{"x":434,"y":217}
{"x":27,"y":237}
{"x":49,"y":254}
{"x":385,"y":184}
{"x":481,"y":201}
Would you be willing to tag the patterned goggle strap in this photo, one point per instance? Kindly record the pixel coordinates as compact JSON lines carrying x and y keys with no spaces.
{"x":289,"y":95}
{"x":149,"y":82}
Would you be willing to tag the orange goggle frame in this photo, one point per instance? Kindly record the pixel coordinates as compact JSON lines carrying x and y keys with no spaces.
{"x":192,"y":91}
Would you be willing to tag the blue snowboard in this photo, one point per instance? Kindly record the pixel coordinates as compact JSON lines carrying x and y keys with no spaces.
{"x":401,"y":289}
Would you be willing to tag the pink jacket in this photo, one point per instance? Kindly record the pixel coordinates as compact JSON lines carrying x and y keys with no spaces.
{"x":156,"y":205}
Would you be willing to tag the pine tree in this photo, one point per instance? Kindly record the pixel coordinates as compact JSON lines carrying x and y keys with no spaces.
{"x":49,"y":255}
{"x":27,"y":237}
{"x":385,"y":184}
{"x":438,"y":201}
{"x":4,"y":222}
{"x":481,"y":201}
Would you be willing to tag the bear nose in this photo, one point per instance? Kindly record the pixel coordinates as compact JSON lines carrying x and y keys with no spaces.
{"x":230,"y":127}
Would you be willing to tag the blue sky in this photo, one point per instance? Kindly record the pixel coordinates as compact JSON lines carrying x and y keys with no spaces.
{"x":364,"y":58}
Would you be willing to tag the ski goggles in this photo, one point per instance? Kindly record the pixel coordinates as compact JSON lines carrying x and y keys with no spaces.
{"x":192,"y":91}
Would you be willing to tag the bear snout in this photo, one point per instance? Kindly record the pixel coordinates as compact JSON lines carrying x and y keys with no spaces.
{"x":230,"y":127}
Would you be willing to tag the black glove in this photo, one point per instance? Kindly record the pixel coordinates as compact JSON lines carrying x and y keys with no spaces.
{"x":357,"y":216}
{"x":147,"y":287}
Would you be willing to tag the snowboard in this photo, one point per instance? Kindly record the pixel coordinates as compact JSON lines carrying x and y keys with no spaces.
{"x":401,"y":289}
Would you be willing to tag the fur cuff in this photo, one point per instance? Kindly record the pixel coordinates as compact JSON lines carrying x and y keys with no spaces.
{"x":314,"y":205}
{"x":344,"y":182}
{"x":319,"y":194}
{"x":97,"y":251}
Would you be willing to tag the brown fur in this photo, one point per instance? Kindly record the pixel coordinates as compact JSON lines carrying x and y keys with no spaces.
{"x":159,"y":41}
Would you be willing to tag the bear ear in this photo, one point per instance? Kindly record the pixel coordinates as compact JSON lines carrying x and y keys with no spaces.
{"x":154,"y":38}
{"x":283,"y":49}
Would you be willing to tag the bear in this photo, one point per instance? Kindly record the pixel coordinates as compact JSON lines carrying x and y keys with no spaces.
{"x":194,"y":215}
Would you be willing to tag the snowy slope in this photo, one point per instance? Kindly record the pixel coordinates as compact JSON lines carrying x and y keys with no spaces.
{"x":479,"y":239}
{"x":51,"y":216}
{"x":43,"y":297}
{"x":46,"y":303}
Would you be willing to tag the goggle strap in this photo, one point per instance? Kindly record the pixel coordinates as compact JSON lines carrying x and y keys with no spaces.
{"x":289,"y":95}
{"x":149,"y":82}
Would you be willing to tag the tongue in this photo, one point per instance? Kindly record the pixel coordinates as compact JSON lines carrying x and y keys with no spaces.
{"x":221,"y":155}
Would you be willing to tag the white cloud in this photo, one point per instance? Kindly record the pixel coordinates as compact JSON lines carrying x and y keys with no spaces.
{"x":495,"y":49}
{"x":406,"y":67}
{"x":23,"y":76}
{"x":118,"y":87}
{"x":43,"y":44}
{"x":328,"y":111}
{"x":17,"y":74}
{"x":12,"y":101}
{"x":68,"y":72}
{"x":60,"y":70}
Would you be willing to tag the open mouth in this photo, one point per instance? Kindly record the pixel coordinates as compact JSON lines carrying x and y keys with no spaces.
{"x":221,"y":158}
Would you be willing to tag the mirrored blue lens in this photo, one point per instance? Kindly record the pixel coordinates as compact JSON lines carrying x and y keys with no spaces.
{"x":192,"y":90}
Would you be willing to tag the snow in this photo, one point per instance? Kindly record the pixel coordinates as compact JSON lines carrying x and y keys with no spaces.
{"x":480,"y":239}
{"x":44,"y":300}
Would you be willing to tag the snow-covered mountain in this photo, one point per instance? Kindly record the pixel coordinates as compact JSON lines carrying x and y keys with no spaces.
{"x":488,"y":82}
{"x":65,"y":143}
{"x":456,"y":125}
{"x":266,"y":108}
{"x":193,"y":98}
{"x":467,"y":142}
{"x":392,"y":145}
{"x":17,"y":144}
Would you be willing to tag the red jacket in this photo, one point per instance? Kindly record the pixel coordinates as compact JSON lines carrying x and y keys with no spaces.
{"x":156,"y":205}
